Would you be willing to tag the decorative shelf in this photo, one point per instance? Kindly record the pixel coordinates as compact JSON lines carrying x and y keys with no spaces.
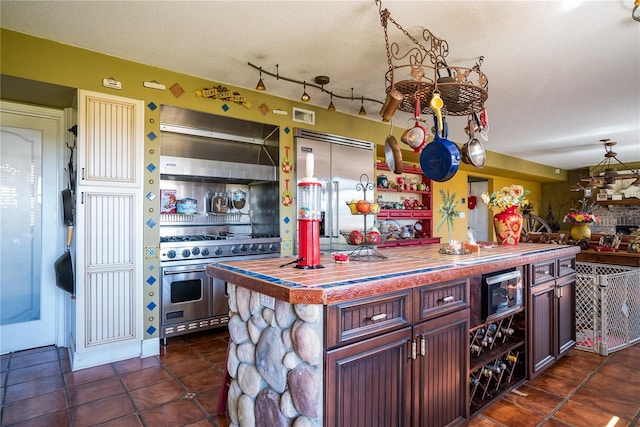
{"x":405,"y":213}
{"x":396,"y":190}
{"x":405,"y":168}
{"x":623,"y":202}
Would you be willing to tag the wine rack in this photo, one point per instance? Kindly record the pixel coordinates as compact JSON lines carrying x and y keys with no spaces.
{"x":497,"y":358}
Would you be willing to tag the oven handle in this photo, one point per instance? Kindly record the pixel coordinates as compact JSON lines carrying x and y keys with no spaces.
{"x":199,"y":270}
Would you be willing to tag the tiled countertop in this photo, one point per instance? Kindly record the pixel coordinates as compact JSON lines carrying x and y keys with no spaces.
{"x":404,"y":268}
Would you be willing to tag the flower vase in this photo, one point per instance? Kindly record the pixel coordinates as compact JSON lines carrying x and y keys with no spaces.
{"x":578,"y":231}
{"x":508,"y":226}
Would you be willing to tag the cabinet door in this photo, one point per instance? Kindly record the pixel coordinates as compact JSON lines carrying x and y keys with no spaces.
{"x":566,"y":309}
{"x":542,"y":336}
{"x":109,"y":290}
{"x":369,"y":383}
{"x":110,"y":139}
{"x":440,"y":390}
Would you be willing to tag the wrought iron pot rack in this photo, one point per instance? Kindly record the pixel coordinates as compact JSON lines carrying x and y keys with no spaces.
{"x":463,"y":90}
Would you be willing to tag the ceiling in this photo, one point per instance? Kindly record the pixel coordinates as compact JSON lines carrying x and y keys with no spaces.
{"x":562,"y":74}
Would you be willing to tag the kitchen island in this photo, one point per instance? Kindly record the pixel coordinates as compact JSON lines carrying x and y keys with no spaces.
{"x":379,"y":343}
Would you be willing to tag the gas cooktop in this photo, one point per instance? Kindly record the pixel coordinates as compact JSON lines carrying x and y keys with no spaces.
{"x":208,"y":237}
{"x":206,"y":246}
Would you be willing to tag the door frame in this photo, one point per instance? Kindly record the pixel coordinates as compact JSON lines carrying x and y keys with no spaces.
{"x":62,"y":301}
{"x":487,"y":226}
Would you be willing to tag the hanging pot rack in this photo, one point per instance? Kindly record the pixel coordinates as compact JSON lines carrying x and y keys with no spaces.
{"x":418,"y":72}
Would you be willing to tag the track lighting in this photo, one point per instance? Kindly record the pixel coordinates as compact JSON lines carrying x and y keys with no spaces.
{"x":305,"y":96}
{"x":320,"y":82}
{"x":260,"y":85}
{"x":331,"y":107}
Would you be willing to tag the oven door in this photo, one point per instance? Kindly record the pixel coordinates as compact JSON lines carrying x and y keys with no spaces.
{"x":186,"y":294}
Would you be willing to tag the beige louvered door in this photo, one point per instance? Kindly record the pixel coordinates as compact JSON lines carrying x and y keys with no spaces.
{"x":109,"y":229}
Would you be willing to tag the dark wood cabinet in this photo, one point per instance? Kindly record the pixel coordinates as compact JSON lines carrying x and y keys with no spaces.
{"x":369,"y":383}
{"x":411,"y":373}
{"x":551,"y":313}
{"x":541,"y":331}
{"x":440,"y":371}
{"x":566,"y":309}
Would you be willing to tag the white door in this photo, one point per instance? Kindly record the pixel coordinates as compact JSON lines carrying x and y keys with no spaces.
{"x":479,"y":217}
{"x":29,"y":223}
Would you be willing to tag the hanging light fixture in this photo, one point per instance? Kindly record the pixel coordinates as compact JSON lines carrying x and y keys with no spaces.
{"x":604,"y":174}
{"x":331,"y":107}
{"x":362,"y":111}
{"x":305,"y":96}
{"x":260,"y":85}
{"x":576,"y":187}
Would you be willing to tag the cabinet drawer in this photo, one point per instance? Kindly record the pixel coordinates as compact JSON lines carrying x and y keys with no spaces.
{"x":356,"y":320}
{"x":400,"y":214}
{"x":542,"y":272}
{"x":438,"y":299}
{"x":422,"y":213}
{"x":566,"y":266}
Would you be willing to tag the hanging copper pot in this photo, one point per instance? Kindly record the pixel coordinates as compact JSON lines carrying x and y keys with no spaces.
{"x":393,"y":155}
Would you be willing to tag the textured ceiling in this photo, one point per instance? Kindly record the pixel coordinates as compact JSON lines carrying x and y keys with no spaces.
{"x":562,"y":74}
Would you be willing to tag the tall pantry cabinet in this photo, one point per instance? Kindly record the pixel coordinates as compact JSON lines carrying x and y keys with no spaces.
{"x":107,"y":324}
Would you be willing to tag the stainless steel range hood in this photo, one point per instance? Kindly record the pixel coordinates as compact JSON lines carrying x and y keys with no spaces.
{"x":204,"y":145}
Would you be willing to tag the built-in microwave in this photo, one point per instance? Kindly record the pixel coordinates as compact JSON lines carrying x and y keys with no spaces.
{"x":501,"y":293}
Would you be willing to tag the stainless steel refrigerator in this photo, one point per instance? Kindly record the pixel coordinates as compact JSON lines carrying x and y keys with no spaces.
{"x":339,"y":165}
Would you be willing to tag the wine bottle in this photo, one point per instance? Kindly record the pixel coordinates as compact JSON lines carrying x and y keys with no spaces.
{"x":494,"y":369}
{"x":508,"y":331}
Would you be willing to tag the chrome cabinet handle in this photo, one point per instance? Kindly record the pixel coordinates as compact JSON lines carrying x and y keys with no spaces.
{"x":378,"y":317}
{"x":447,"y":298}
{"x":184,"y":271}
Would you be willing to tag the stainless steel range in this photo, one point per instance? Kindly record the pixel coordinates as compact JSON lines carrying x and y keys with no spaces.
{"x":191,"y":300}
{"x":229,"y":186}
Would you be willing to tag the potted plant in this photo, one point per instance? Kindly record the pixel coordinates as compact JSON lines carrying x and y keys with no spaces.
{"x":448,"y":211}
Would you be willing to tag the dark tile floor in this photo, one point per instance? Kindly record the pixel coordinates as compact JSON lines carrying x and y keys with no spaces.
{"x":181,"y":386}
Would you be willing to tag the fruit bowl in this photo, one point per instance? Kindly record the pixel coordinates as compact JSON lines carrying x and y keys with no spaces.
{"x":363,"y":207}
{"x":358,"y":237}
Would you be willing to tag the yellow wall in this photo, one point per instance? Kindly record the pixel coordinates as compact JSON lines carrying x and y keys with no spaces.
{"x":45,"y":61}
{"x":459,"y":185}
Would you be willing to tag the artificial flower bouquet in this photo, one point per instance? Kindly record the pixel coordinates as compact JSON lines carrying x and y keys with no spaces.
{"x":582,"y":215}
{"x":506,"y":197}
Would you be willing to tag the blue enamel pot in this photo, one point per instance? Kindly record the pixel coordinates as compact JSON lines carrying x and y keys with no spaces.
{"x":440,"y":158}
